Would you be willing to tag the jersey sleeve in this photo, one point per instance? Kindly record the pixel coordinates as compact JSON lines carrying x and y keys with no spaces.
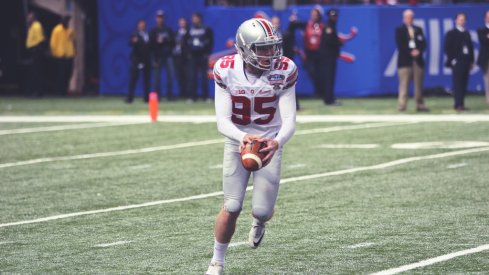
{"x":291,"y":74}
{"x":219,"y":75}
{"x":287,"y":104}
{"x":224,"y":105}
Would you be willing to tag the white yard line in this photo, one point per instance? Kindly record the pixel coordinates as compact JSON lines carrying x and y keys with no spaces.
{"x":359,"y":245}
{"x":63,"y":127}
{"x":348,"y":146}
{"x":211,"y":118}
{"x":119,"y":208}
{"x":115,"y":153}
{"x":283,"y":181}
{"x":457,"y":165}
{"x":186,"y":145}
{"x":237,"y":244}
{"x":431,"y":261}
{"x":103,"y":245}
{"x":348,"y":127}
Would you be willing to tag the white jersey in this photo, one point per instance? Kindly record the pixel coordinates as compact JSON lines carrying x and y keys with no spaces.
{"x":263,"y":106}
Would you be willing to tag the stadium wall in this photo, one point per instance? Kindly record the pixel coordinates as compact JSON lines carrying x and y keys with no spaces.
{"x":371,"y":69}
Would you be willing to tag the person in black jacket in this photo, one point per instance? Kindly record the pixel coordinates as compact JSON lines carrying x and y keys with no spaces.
{"x":460,"y":58}
{"x":288,"y":41}
{"x":483,"y":59}
{"x":179,"y":57}
{"x":411,"y":44}
{"x":329,"y":52}
{"x":140,"y":60}
{"x":199,"y":43}
{"x":162,"y":41}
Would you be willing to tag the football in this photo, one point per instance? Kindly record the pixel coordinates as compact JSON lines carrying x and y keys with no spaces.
{"x":251,"y":158}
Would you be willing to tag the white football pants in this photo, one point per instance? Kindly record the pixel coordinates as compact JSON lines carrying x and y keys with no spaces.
{"x":266,"y":183}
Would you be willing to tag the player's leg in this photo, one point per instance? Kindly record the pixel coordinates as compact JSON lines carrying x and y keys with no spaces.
{"x":266,"y":184}
{"x":170,"y":74}
{"x":235,"y":180}
{"x":134,"y":74}
{"x":404,"y":74}
{"x":157,"y":77}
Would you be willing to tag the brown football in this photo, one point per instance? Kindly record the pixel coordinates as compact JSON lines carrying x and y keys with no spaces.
{"x":251,"y":158}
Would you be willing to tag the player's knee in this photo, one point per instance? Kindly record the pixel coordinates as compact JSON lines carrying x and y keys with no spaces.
{"x":232,"y":206}
{"x":262,"y":213}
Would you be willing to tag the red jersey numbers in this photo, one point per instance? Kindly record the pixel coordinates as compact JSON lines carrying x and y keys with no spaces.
{"x":242,"y":110}
{"x":283,"y":64}
{"x":227,"y":62}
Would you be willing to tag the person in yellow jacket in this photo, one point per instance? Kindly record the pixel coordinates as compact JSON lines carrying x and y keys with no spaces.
{"x":62,"y":46}
{"x":35,"y":49}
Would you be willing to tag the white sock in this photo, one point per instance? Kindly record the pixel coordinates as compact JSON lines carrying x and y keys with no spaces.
{"x":219,"y":252}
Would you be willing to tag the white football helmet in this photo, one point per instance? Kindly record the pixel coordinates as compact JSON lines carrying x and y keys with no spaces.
{"x":258,"y":43}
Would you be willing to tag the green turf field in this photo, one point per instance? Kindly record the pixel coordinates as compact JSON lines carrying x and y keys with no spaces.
{"x":339,"y":210}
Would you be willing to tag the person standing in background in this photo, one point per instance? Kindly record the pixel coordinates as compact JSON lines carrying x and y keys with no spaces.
{"x":313,"y":31}
{"x":288,"y":40}
{"x":35,"y":49}
{"x":162,"y":41}
{"x":63,"y":51}
{"x":179,"y":56}
{"x":199,"y":42}
{"x":140,"y":60}
{"x":483,"y":59}
{"x":411,"y":44}
{"x":329,"y":52}
{"x":460,"y":58}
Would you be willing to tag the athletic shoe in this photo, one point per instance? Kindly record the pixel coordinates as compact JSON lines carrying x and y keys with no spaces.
{"x":215,"y":269}
{"x":256,"y":235}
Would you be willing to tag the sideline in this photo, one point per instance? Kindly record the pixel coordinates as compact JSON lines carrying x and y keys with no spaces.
{"x":212,"y":118}
{"x":63,"y":127}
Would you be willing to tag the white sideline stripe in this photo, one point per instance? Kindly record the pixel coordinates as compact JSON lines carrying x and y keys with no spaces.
{"x":185,"y":145}
{"x":386,"y":164}
{"x":215,"y":194}
{"x":112,"y":209}
{"x":433,"y":260}
{"x":348,"y":146}
{"x":115,"y":153}
{"x":237,"y":244}
{"x":62,"y":127}
{"x":458,"y":165}
{"x":348,"y":127}
{"x":295,"y":166}
{"x":359,"y":245}
{"x":212,"y":118}
{"x":112,"y":244}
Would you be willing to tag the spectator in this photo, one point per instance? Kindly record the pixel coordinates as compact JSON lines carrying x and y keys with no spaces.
{"x":460,"y":58}
{"x":162,"y":41}
{"x":483,"y":59}
{"x":140,"y":60}
{"x":35,"y":48}
{"x":179,"y":56}
{"x":199,"y":41}
{"x":410,"y":43}
{"x":330,"y":51}
{"x":63,"y":51}
{"x":288,"y":40}
{"x":313,"y":30}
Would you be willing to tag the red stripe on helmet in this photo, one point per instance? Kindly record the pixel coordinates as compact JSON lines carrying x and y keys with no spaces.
{"x":267,"y":27}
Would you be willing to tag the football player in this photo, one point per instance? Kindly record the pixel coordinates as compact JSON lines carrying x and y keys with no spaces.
{"x":254,"y":100}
